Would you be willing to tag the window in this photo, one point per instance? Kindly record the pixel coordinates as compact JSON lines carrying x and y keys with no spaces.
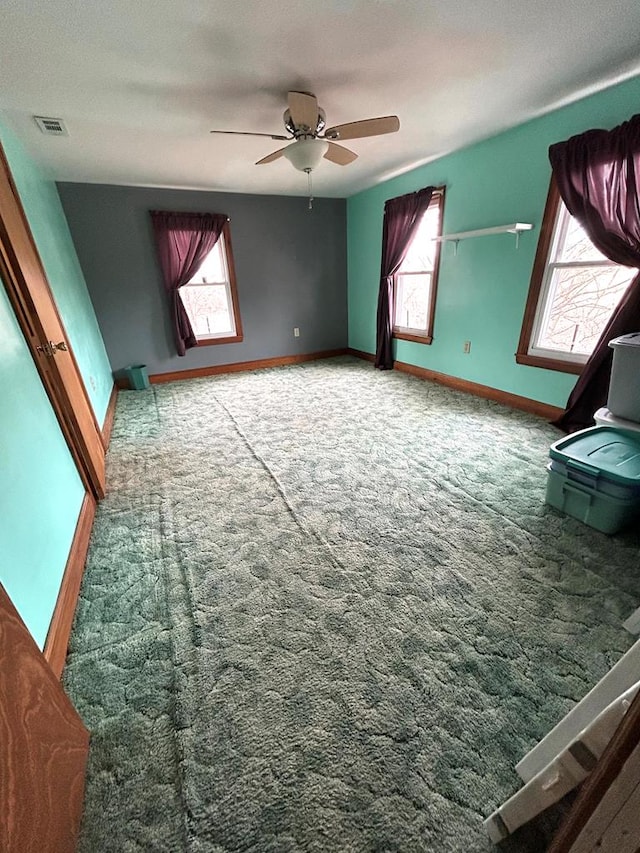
{"x":574,"y":289}
{"x":210,"y":298}
{"x":414,"y":285}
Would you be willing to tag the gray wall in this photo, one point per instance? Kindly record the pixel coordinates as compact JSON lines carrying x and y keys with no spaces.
{"x":291,"y":269}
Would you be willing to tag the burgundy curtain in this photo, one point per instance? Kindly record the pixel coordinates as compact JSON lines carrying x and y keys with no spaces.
{"x":401,"y":220}
{"x":598,"y":175}
{"x":183,"y":241}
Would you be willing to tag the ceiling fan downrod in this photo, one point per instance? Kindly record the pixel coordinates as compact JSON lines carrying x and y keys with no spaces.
{"x":308,"y":171}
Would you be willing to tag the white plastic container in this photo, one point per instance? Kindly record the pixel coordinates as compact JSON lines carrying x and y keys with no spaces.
{"x":624,"y":388}
{"x":603,"y":417}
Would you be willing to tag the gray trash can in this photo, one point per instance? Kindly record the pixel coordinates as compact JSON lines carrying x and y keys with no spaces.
{"x":137,"y":377}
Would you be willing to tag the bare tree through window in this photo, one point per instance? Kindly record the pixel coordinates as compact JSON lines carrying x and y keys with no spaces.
{"x":210,"y":297}
{"x":576,"y":291}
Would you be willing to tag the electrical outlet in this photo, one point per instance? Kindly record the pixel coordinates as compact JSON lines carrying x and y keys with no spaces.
{"x":466,"y":347}
{"x":92,"y":382}
{"x":296,"y":332}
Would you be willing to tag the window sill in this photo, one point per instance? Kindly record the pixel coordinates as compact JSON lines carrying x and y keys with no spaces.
{"x":550,"y":363}
{"x":417,"y":339}
{"x":209,"y":342}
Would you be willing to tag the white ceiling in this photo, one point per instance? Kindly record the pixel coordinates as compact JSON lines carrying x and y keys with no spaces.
{"x":140,"y":83}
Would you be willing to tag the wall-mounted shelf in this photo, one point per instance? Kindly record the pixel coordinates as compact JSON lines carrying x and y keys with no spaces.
{"x":515,"y":228}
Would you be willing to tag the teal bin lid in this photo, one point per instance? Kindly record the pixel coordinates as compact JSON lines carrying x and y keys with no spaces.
{"x":601,"y":450}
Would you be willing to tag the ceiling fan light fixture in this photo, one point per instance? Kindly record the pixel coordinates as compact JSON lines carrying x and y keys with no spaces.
{"x":306,"y":154}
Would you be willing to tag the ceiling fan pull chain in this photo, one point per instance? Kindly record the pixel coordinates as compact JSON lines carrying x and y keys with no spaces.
{"x":308,"y":171}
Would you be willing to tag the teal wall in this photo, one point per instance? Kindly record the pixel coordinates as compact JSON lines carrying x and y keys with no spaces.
{"x":40,"y":489}
{"x":482,"y":291}
{"x":51,"y":233}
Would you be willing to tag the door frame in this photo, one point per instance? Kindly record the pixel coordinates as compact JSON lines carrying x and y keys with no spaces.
{"x":27,"y":287}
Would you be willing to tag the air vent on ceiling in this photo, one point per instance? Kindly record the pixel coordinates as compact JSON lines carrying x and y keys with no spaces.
{"x":51,"y":126}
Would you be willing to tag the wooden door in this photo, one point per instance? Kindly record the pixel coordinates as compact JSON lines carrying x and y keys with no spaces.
{"x":26,"y":282}
{"x":43,"y":747}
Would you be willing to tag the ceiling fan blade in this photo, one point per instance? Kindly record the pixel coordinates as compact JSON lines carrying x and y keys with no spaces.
{"x":249,"y":133}
{"x":367,"y":127}
{"x":339,"y":154}
{"x":273,"y":156}
{"x":303,"y":109}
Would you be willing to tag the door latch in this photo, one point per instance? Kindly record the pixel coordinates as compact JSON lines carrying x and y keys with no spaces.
{"x":50,"y":348}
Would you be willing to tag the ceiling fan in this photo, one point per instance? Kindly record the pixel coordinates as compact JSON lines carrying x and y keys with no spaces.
{"x":305,"y":122}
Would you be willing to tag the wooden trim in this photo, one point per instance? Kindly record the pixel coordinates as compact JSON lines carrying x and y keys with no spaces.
{"x":226,"y":232}
{"x":436,"y":268}
{"x":55,"y":647}
{"x":545,"y":239}
{"x":238,"y":366}
{"x":107,"y":426}
{"x":23,"y":316}
{"x":30,"y":295}
{"x":549,"y":363}
{"x":358,"y":353}
{"x":427,"y":337}
{"x":238,"y":337}
{"x":619,"y":749}
{"x":210,"y":342}
{"x":539,"y":265}
{"x":417,"y":339}
{"x":515,"y":401}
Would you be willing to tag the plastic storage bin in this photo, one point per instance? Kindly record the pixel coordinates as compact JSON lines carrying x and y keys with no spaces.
{"x":602,"y":512}
{"x":137,"y":377}
{"x":624,"y":389}
{"x":594,"y":476}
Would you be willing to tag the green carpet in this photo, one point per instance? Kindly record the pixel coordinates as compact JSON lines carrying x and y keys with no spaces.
{"x":326,"y":609}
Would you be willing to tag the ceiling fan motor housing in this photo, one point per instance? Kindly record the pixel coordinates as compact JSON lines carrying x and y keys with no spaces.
{"x":290,"y":126}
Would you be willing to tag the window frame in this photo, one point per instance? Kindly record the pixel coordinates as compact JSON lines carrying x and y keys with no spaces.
{"x":232,"y":295}
{"x":404,"y":333}
{"x":539,"y":278}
